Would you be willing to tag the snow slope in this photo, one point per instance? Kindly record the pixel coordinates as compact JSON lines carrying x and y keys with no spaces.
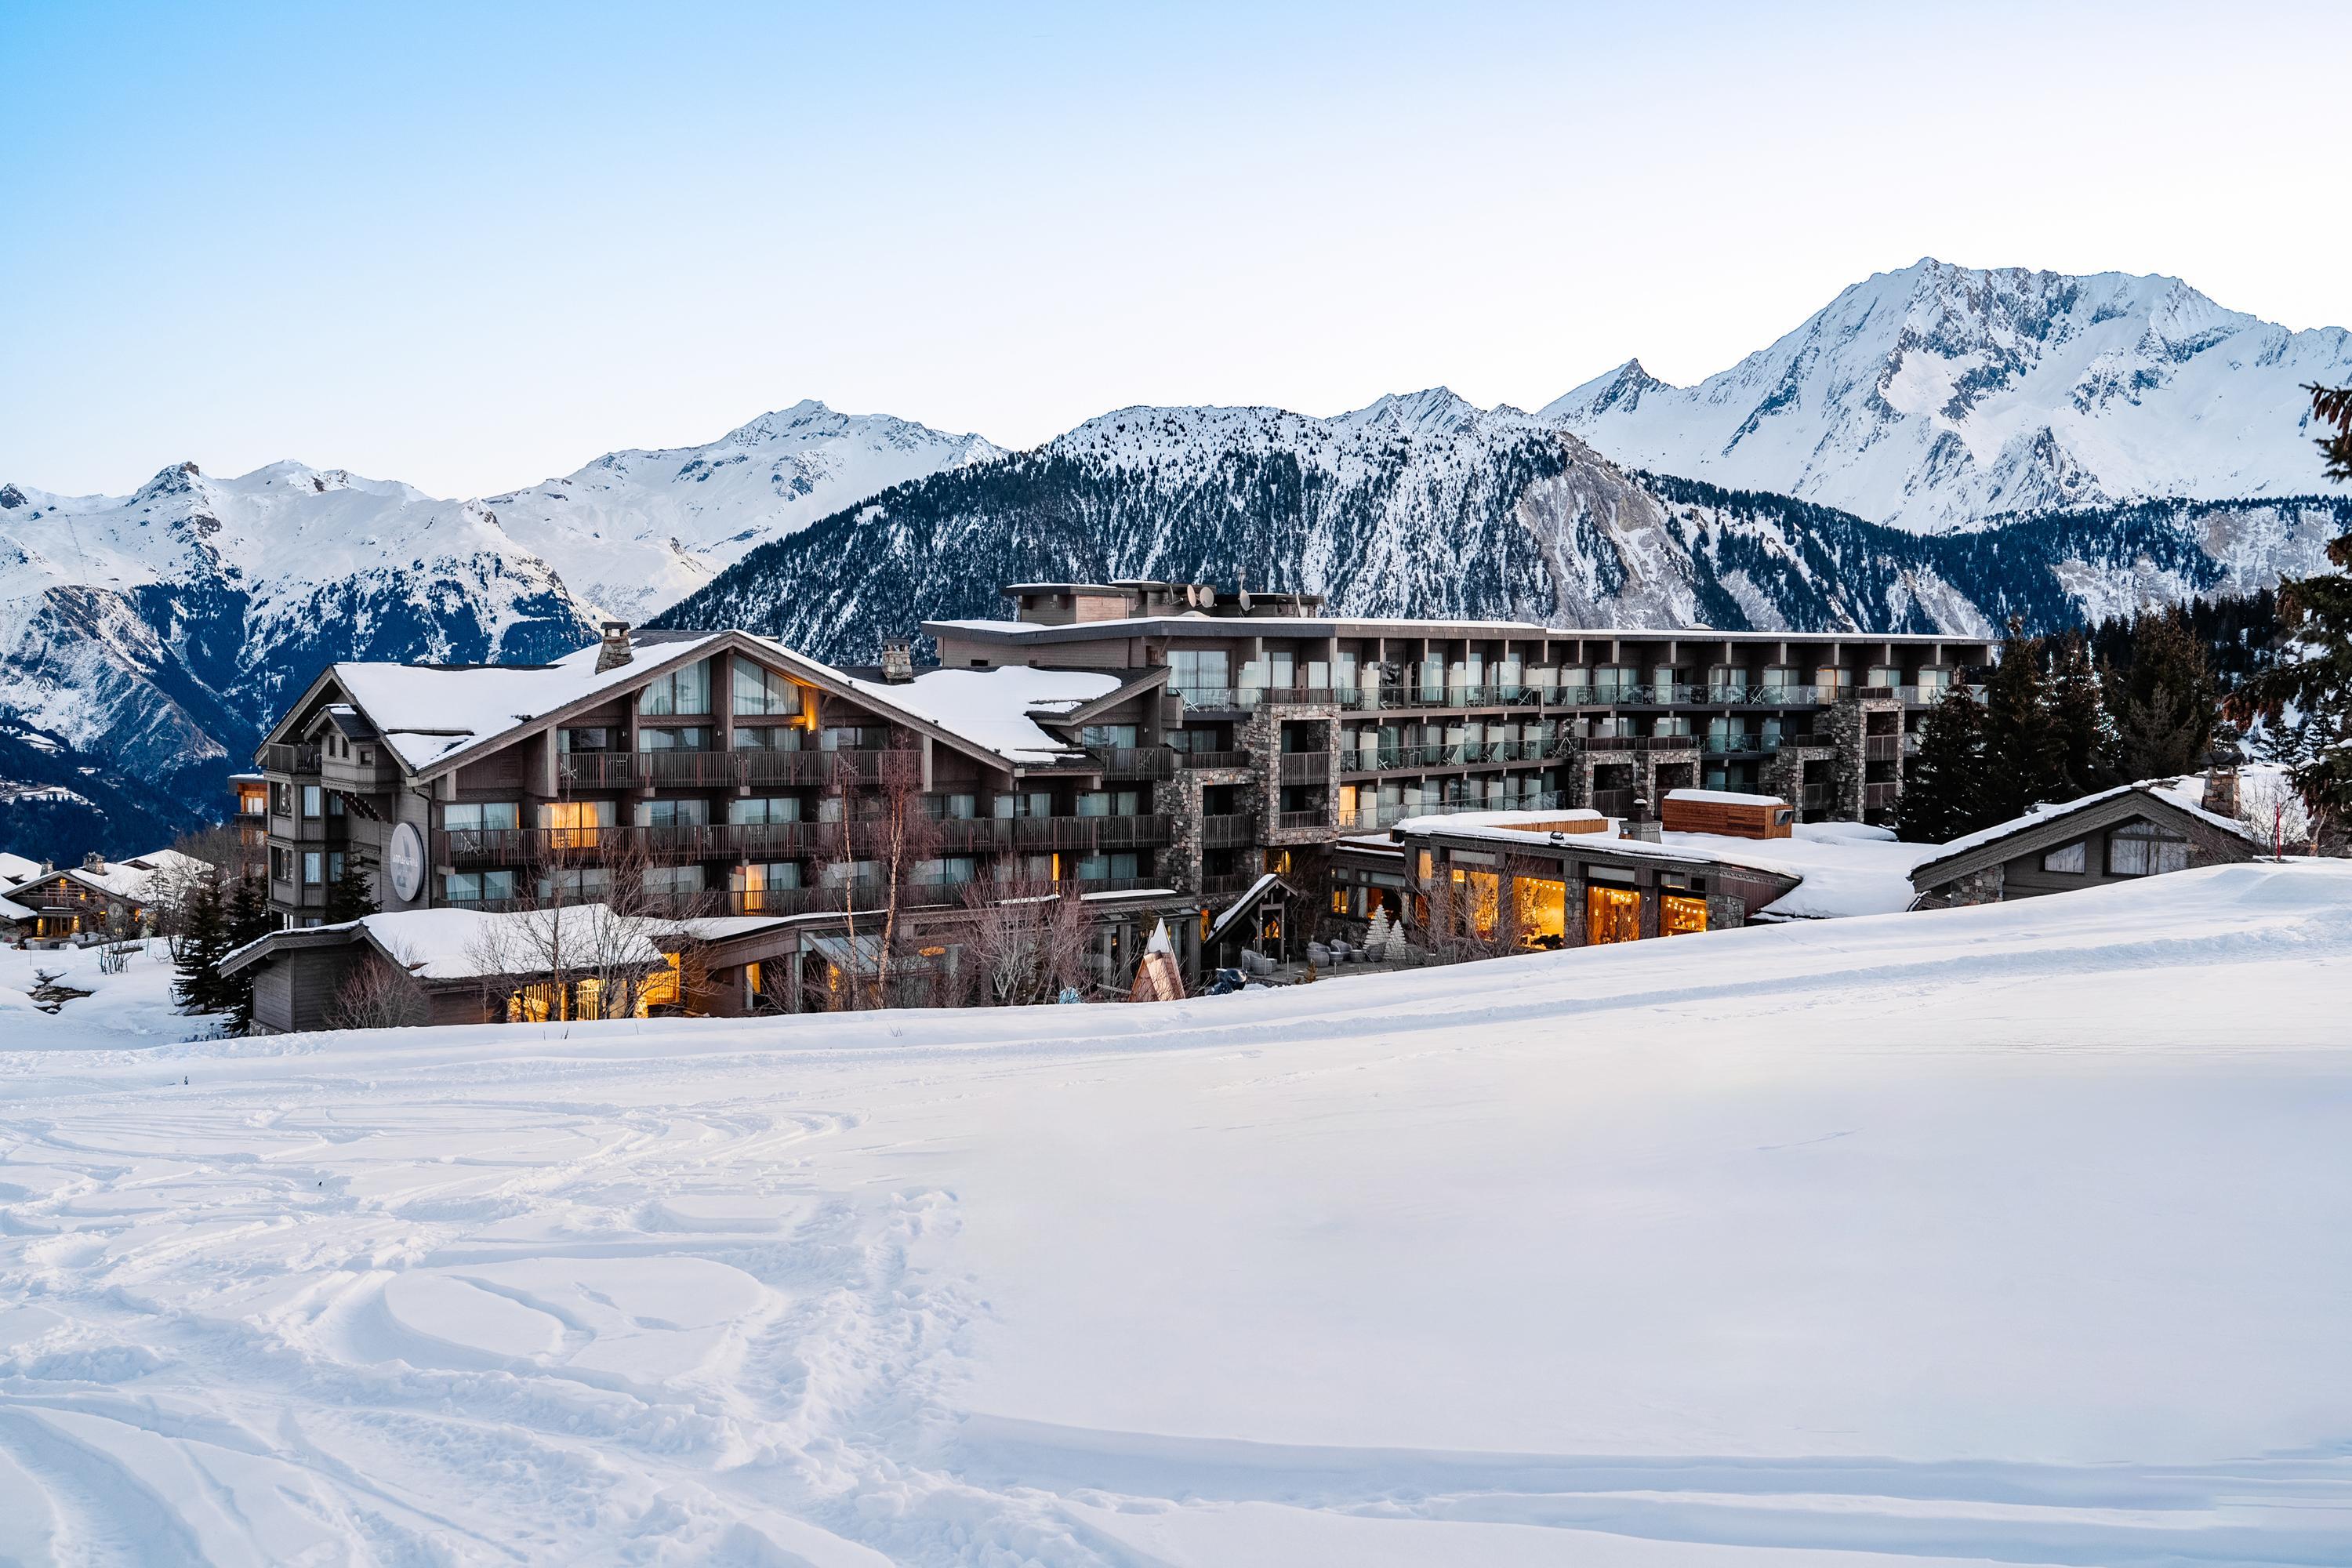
{"x":1940,"y":394}
{"x":2005,"y":1234}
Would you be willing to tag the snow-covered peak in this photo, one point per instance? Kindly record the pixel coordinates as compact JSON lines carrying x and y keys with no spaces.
{"x":1937,"y":395}
{"x":1436,"y":411}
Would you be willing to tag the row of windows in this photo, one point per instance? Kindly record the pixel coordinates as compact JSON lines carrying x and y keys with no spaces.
{"x":1212,"y":669}
{"x":694,"y":811}
{"x":2137,"y":851}
{"x":590,"y":882}
{"x":312,"y":867}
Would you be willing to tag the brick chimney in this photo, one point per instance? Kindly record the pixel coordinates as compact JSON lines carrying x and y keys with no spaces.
{"x":616,"y":650}
{"x":898,"y":661}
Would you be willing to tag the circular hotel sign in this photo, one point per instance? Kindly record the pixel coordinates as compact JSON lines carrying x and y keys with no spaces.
{"x":405,"y":858}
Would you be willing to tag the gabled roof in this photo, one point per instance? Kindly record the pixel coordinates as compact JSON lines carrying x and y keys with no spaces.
{"x":16,"y":868}
{"x":2052,"y":826}
{"x":434,"y":717}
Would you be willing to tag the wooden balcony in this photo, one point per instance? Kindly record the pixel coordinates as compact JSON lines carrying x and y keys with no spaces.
{"x":1144,"y":763}
{"x":1228,"y":832}
{"x":278,"y":757}
{"x":1206,"y":759}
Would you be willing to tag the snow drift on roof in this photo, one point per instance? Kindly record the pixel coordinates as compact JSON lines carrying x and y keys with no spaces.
{"x":990,"y":707}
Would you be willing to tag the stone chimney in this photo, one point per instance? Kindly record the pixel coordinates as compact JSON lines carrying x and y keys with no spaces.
{"x":2221,"y":774}
{"x":616,"y":650}
{"x":898,"y":661}
{"x":1640,"y":822}
{"x":94,"y":862}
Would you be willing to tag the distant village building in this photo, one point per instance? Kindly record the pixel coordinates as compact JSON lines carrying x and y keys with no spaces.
{"x":2117,"y":835}
{"x":97,"y":898}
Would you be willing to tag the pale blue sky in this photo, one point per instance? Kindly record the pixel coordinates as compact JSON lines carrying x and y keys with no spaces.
{"x":472,"y":246}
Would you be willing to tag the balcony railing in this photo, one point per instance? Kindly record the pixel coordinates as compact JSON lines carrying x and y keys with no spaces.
{"x":1226,"y":884}
{"x":1881,"y":748}
{"x":1204,"y":760}
{"x":1612,"y":802}
{"x":1388,"y":813}
{"x":1641,"y":742}
{"x":1880,"y":796}
{"x":1303,"y":767}
{"x":1148,"y":762}
{"x":1291,"y":821}
{"x":1227,"y":832}
{"x":279,"y":757}
{"x":712,"y":770}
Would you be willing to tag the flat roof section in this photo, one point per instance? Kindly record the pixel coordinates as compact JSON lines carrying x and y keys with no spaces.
{"x":1198,"y":625}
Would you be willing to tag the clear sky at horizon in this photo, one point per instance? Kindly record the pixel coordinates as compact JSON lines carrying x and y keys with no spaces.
{"x":471,"y":247}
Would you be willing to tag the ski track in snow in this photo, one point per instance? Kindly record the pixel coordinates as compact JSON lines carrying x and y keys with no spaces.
{"x":2005,"y":1234}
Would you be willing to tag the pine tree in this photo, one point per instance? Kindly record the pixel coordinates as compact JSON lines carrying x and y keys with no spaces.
{"x":1945,"y":795}
{"x":202,"y":942}
{"x":2078,"y":710}
{"x":2306,"y":700}
{"x":2163,"y":700}
{"x":248,"y":920}
{"x":352,"y":894}
{"x":2023,"y":753}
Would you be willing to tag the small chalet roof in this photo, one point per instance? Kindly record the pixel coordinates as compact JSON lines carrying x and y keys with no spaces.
{"x":133,"y":881}
{"x":12,"y":910}
{"x":16,"y":868}
{"x":2036,"y":824}
{"x":350,"y":722}
{"x":472,"y":945}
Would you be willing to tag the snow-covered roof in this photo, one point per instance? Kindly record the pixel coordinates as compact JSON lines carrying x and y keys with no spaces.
{"x":1841,"y":867}
{"x":990,"y":707}
{"x":428,"y":713}
{"x":1586,"y":820}
{"x":15,"y":869}
{"x":132,"y":879}
{"x":2170,"y":792}
{"x":1724,"y":797}
{"x":12,"y":910}
{"x":468,"y":945}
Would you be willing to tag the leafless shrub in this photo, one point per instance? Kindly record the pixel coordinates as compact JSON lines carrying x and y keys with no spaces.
{"x":377,"y":994}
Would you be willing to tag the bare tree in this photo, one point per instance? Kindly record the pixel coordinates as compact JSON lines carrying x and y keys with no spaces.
{"x":377,"y":994}
{"x":1026,"y":942}
{"x":2268,"y":803}
{"x":904,"y":840}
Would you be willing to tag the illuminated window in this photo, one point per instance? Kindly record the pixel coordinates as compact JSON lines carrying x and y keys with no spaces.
{"x":574,"y":824}
{"x":1679,"y":914}
{"x":1542,"y":911}
{"x":1611,"y":914}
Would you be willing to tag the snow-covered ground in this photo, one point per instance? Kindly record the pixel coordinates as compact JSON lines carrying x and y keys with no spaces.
{"x":2008,"y":1234}
{"x":122,"y":1011}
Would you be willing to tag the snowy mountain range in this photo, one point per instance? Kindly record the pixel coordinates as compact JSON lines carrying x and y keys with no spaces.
{"x":145,"y":639}
{"x":1427,"y":505}
{"x":1936,"y":448}
{"x":1941,"y":395}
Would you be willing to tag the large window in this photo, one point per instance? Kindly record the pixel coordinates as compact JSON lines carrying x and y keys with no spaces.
{"x":760,"y":811}
{"x":1200,"y":669}
{"x":1611,"y":914}
{"x":574,"y":824}
{"x":1119,"y":868}
{"x":668,"y":738}
{"x":475,"y":815}
{"x":588,"y":738}
{"x":947,"y":871}
{"x":1026,"y":803}
{"x":1109,"y":802}
{"x":673,"y":881}
{"x":314,"y":868}
{"x":692,"y":813}
{"x":2068,"y":861}
{"x":761,"y":692}
{"x":476,"y":887}
{"x":682,"y":690}
{"x":768,"y":737}
{"x":953,"y":806}
{"x":2143,"y":849}
{"x":1122,"y":736}
{"x":314,"y":801}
